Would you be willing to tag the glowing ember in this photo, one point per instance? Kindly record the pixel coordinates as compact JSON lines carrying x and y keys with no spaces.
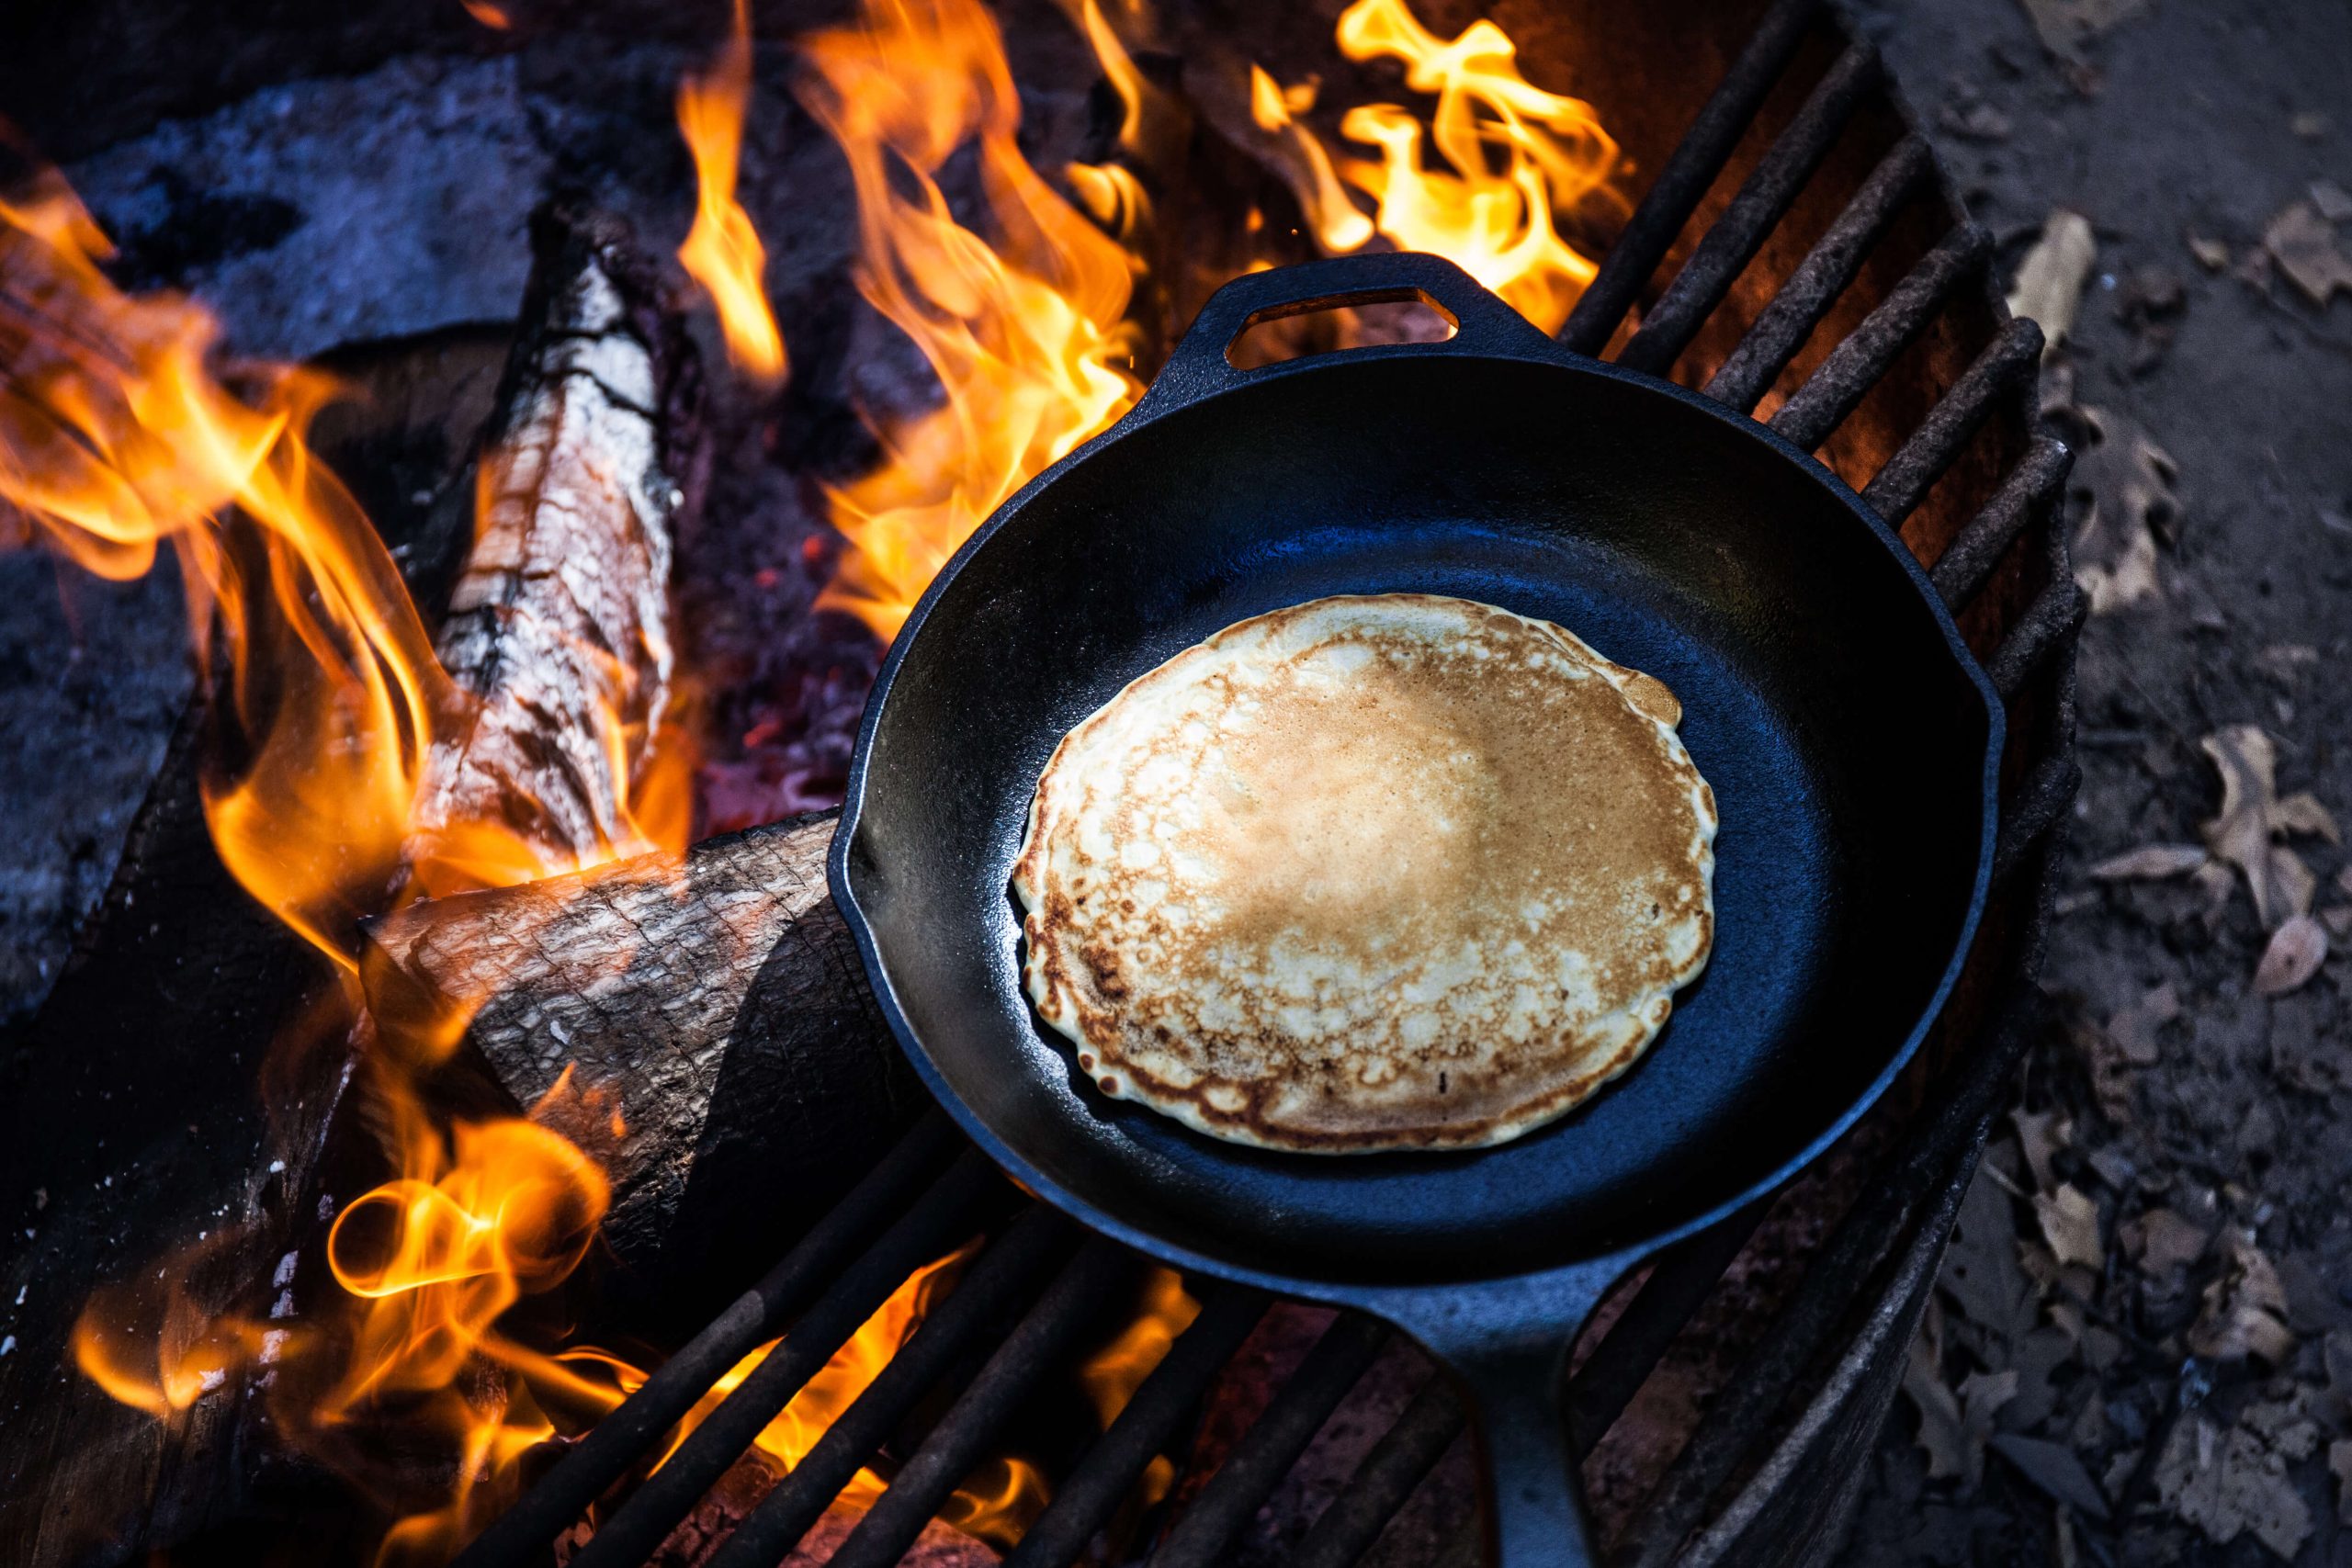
{"x":1517,"y":153}
{"x":723,"y":250}
{"x":1027,"y":337}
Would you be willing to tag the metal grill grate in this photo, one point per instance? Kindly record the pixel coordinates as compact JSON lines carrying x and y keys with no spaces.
{"x":1036,"y":1289}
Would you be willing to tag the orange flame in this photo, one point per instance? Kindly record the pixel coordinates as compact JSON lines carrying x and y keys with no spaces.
{"x":1111,"y":1375}
{"x":1338,"y":224}
{"x":722,"y":251}
{"x":1518,"y":155}
{"x":1027,"y":339}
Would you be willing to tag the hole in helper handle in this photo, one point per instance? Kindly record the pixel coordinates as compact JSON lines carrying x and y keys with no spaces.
{"x":1198,"y":368}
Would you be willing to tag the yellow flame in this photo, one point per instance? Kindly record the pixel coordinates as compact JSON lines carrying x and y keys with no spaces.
{"x":1338,"y":225}
{"x":1026,"y":337}
{"x":722,"y":251}
{"x":1518,"y":155}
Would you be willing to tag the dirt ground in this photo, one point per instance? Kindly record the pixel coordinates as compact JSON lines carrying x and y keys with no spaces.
{"x":2142,"y":1350}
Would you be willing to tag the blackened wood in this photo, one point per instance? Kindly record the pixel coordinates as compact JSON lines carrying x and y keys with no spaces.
{"x":717,"y":995}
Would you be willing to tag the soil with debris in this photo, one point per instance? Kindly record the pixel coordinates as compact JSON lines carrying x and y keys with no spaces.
{"x":2141,"y":1351}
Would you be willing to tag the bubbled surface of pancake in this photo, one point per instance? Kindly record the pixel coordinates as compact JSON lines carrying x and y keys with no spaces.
{"x":1384,"y":872}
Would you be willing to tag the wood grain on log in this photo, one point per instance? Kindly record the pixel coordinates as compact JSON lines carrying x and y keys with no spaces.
{"x":718,"y":995}
{"x":558,"y":632}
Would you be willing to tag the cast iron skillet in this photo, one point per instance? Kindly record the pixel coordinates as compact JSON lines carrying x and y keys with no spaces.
{"x":1850,"y":740}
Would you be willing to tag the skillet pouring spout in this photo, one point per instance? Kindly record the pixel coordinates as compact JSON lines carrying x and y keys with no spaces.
{"x":1850,"y":740}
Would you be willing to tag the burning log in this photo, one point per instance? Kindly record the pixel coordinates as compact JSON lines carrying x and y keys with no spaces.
{"x":558,"y":629}
{"x":715,"y":996}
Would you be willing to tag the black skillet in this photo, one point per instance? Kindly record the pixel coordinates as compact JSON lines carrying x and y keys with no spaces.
{"x":1850,"y":740}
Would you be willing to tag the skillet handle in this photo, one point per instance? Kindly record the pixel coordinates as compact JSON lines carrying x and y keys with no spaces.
{"x":1198,"y":366}
{"x":1535,"y":1513}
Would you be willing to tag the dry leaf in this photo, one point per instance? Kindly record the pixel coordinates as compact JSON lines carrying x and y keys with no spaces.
{"x":2051,"y":278}
{"x":2304,"y":245}
{"x":2053,"y":1467}
{"x":2211,"y":254}
{"x":2252,"y":815}
{"x":2163,"y":1241}
{"x":2065,"y":25}
{"x":2070,"y":1222}
{"x":2335,"y":203}
{"x":1952,"y":1426}
{"x":2125,"y":483}
{"x":2229,"y":1483}
{"x":2338,"y":920}
{"x":2150,"y":863}
{"x":2245,"y":1311}
{"x":2339,"y":1461}
{"x":2040,"y":1135}
{"x":2135,"y":1029}
{"x":2297,"y":950}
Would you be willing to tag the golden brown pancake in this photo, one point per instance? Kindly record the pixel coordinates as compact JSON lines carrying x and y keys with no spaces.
{"x":1386,"y":871}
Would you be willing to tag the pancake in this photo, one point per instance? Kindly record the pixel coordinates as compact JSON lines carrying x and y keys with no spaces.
{"x":1385,"y":872}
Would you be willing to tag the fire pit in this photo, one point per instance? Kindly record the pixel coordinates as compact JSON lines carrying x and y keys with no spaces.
{"x":354,"y":1206}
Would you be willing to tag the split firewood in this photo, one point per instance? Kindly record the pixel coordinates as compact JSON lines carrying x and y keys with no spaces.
{"x":714,"y":1000}
{"x":558,"y":634}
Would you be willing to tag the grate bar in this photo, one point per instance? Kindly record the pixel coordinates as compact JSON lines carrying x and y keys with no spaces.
{"x":1837,"y":1273}
{"x":1763,"y":199}
{"x":944,"y":1212}
{"x":1204,"y":1536}
{"x":1819,"y":279}
{"x":2047,"y":623}
{"x":960,"y":1441}
{"x":1398,"y":1463}
{"x":1969,"y":559}
{"x":2040,"y":801}
{"x":1855,"y":366}
{"x":1611,"y":1376}
{"x":1895,"y":491}
{"x":999,"y":1283}
{"x":1086,"y":1499}
{"x":628,"y":1432}
{"x":1689,"y":171}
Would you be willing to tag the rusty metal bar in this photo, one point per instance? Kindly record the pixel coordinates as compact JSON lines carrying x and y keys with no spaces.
{"x":939,"y":1218}
{"x":1006,"y":1276}
{"x":1689,"y":170}
{"x":1085,"y":1500}
{"x":2047,"y":623}
{"x":1763,"y":199}
{"x":1820,"y":279}
{"x":1204,"y":1536}
{"x":1969,"y":559}
{"x":1403,"y":1457}
{"x":1856,"y":365}
{"x":1627,"y":1354}
{"x":628,"y":1432}
{"x":1904,"y":481}
{"x":2040,"y":803}
{"x":1072,"y":1303}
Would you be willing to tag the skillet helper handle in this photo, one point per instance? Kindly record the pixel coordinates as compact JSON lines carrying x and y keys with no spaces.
{"x":1198,"y":366}
{"x":1535,"y":1515}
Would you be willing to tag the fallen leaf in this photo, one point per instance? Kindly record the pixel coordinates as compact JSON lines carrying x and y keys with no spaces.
{"x":2252,"y":815}
{"x":1952,"y":1424}
{"x":2124,"y":482}
{"x":2245,"y":1311}
{"x":2228,"y":1483}
{"x":2335,"y":203}
{"x":2150,"y":863}
{"x":2211,"y":254}
{"x":2296,"y":951}
{"x":1980,"y":1273}
{"x":2070,"y":1223}
{"x":2338,"y":920}
{"x":2135,"y":1029}
{"x":2163,"y":1241}
{"x":2339,"y":1462}
{"x":2304,"y":245}
{"x":2065,"y":25}
{"x":2285,"y":1425}
{"x":2151,"y":302}
{"x":2053,"y":1469}
{"x":2050,"y":281}
{"x":2040,"y":1135}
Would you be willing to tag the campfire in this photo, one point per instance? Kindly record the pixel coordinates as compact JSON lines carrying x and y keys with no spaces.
{"x":529,"y":664}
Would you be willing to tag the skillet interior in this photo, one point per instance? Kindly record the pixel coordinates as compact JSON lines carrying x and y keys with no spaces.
{"x":1845,"y":740}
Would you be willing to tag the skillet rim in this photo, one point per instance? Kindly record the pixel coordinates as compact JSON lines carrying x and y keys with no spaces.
{"x":1393,"y":1300}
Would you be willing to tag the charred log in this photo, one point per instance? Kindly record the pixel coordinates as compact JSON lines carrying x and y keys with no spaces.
{"x":714,"y":1000}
